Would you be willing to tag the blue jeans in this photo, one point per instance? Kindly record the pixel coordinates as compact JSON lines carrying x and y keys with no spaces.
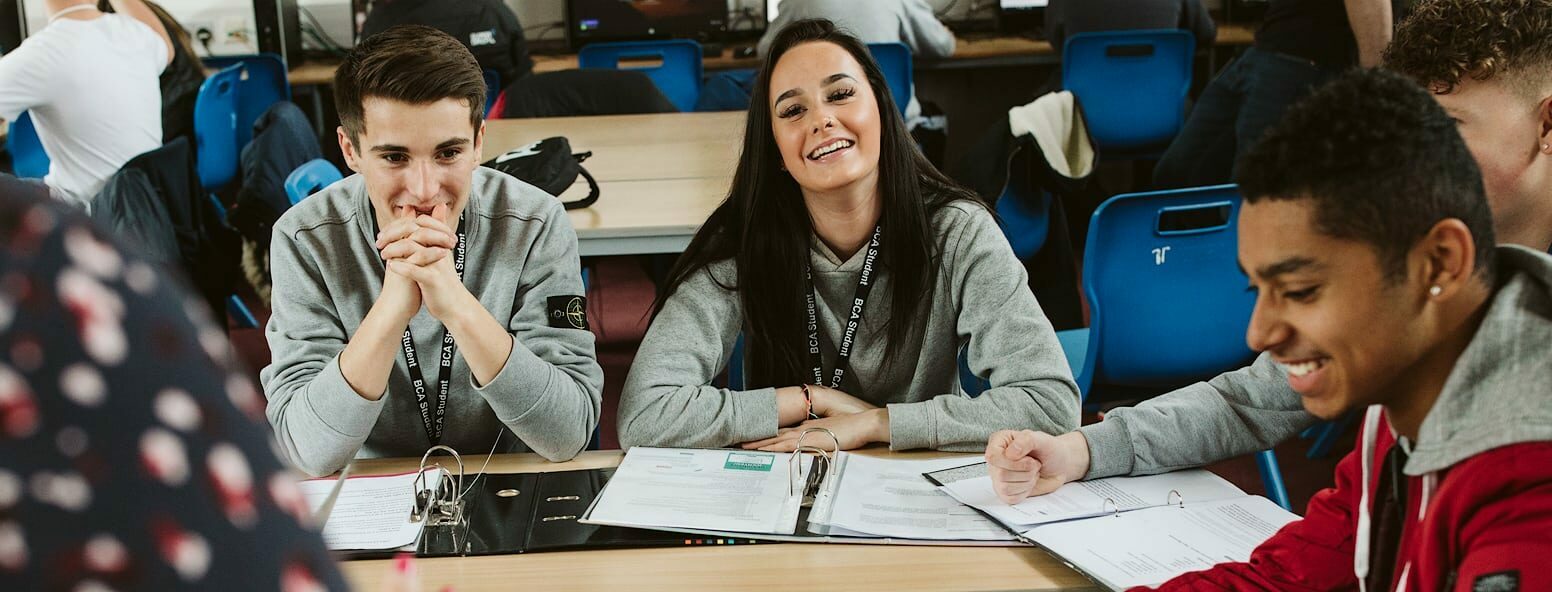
{"x":1237,"y":107}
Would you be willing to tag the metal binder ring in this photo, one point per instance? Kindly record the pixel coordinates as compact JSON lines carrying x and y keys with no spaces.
{"x":441,"y":505}
{"x":1115,"y":509}
{"x":1175,"y":499}
{"x":792,"y":461}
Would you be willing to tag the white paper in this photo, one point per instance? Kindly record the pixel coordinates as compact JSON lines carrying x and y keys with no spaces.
{"x":891,"y":498}
{"x":1083,"y":499}
{"x":371,"y":513}
{"x":1148,"y":547}
{"x":719,"y":490}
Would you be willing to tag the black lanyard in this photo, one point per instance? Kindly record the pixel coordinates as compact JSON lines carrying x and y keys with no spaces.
{"x":843,"y":353}
{"x":412,"y":362}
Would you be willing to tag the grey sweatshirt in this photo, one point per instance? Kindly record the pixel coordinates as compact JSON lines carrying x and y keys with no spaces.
{"x":521,"y":252}
{"x":1254,"y":408}
{"x":981,"y":301}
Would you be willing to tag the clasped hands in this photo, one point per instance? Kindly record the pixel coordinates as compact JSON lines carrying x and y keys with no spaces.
{"x":855,"y":422}
{"x":417,"y":249}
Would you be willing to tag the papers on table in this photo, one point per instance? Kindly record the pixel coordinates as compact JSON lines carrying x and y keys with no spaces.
{"x":370,"y":513}
{"x":1148,"y":547}
{"x":713,"y":490}
{"x":890,"y":498}
{"x":1083,"y":499}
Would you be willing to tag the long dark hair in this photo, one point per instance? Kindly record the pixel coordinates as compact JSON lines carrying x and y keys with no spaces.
{"x":764,"y":225}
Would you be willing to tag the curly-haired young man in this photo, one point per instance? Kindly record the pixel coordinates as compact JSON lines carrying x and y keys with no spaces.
{"x":1489,"y":63}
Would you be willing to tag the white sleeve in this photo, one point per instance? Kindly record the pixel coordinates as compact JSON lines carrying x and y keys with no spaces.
{"x":24,"y":76}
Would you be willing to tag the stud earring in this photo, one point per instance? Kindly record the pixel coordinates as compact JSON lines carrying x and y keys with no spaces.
{"x":1435,"y":291}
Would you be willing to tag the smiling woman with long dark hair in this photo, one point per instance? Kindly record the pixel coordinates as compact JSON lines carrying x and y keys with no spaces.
{"x":855,"y":272}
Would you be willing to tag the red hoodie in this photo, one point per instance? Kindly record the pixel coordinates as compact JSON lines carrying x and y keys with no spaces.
{"x":1482,"y":525}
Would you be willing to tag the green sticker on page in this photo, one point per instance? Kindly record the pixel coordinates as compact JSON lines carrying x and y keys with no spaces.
{"x":746,"y":461}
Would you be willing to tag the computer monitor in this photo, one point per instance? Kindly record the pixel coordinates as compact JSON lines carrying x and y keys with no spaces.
{"x":12,"y":27}
{"x":1021,"y":16}
{"x":591,"y":21}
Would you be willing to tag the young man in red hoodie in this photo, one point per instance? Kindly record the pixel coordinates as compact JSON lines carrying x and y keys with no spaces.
{"x":1369,"y":241}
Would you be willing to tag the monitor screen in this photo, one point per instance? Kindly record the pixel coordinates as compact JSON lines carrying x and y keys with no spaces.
{"x":615,"y":20}
{"x":1023,"y":4}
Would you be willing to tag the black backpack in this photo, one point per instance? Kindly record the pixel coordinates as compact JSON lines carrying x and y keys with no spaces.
{"x":549,"y":165}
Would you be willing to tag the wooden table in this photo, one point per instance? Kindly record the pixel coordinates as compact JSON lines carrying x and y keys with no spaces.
{"x":973,"y":52}
{"x":659,"y":176}
{"x":808,"y":567}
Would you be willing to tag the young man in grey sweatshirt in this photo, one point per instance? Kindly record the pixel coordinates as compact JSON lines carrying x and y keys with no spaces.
{"x":425,"y":300}
{"x":1486,"y":63}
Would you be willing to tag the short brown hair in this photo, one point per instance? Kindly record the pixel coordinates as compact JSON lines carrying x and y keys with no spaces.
{"x":1445,"y":41}
{"x":413,"y":64}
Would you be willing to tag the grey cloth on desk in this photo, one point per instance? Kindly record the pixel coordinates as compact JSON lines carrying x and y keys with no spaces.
{"x":981,"y":300}
{"x":327,"y":274}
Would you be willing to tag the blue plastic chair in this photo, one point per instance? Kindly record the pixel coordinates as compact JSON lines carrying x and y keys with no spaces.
{"x":28,"y":158}
{"x":895,"y":60}
{"x":1132,"y":86}
{"x":264,"y":83}
{"x":679,"y":76}
{"x":1167,"y":302}
{"x":215,"y":127}
{"x":309,"y":178}
{"x":492,"y":88}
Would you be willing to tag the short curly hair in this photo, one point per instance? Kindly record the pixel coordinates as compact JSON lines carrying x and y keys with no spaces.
{"x":1444,"y":42}
{"x":1381,"y":161}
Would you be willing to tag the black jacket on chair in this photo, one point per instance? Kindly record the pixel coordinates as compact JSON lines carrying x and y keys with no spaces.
{"x":156,"y":201}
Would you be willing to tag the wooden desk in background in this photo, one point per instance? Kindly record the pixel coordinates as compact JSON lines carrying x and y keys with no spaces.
{"x":974,"y":52}
{"x":808,"y":567}
{"x":659,"y":176}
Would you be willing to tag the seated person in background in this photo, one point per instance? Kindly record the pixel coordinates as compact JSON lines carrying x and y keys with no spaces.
{"x":1065,"y":18}
{"x":1300,"y":45}
{"x":488,"y":28}
{"x":851,"y":267}
{"x":132,"y":456}
{"x":90,"y":81}
{"x":911,"y":22}
{"x":1368,"y":238}
{"x":472,"y":274}
{"x":1489,"y":63}
{"x":1491,"y":59}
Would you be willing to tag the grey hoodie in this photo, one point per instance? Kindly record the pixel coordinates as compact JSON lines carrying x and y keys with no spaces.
{"x":981,"y":303}
{"x":1500,"y":391}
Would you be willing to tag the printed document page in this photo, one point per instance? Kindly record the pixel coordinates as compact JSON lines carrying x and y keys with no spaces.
{"x":891,"y":498}
{"x":1082,"y":499}
{"x":371,"y":513}
{"x":1148,"y":547}
{"x":716,"y":490}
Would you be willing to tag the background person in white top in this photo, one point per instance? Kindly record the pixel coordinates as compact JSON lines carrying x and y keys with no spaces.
{"x":91,"y":82}
{"x":911,"y":22}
